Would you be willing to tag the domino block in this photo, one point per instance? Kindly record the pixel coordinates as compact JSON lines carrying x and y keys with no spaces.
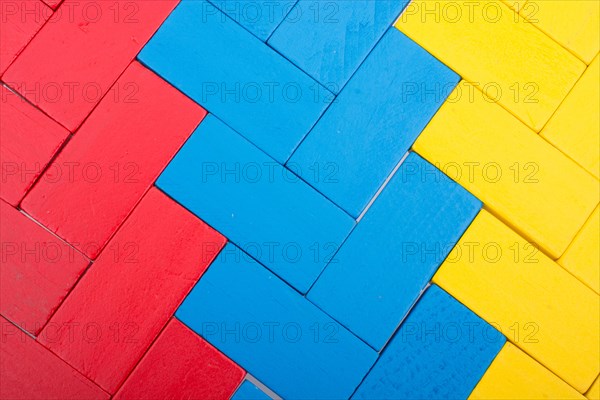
{"x":256,"y":203}
{"x":519,"y":176}
{"x":541,"y":308}
{"x":535,"y":74}
{"x":248,"y":391}
{"x":391,"y":255}
{"x":574,"y":127}
{"x":440,"y":352}
{"x":594,"y":392}
{"x":112,"y":161}
{"x":38,"y":270}
{"x":120,"y":305}
{"x":515,"y":375}
{"x":237,"y":77}
{"x":573,"y":24}
{"x":78,"y":55}
{"x":336,"y":36}
{"x":582,"y":257}
{"x":364,"y":134}
{"x":181,"y":365}
{"x":29,"y":371}
{"x":280,"y":338}
{"x":19,"y":23}
{"x":29,"y":141}
{"x":259,"y":17}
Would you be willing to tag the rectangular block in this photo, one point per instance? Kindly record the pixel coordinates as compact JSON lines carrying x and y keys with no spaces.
{"x":361,"y":138}
{"x":117,"y":154}
{"x":336,"y":36}
{"x":573,"y":24}
{"x":574,"y":128}
{"x":19,"y":22}
{"x":29,"y":140}
{"x":248,"y":391}
{"x":181,"y":365}
{"x":29,"y":371}
{"x":517,"y":65}
{"x":260,"y":17}
{"x":237,"y":77}
{"x":582,"y":257}
{"x":37,"y":270}
{"x":78,"y":55}
{"x":519,"y":176}
{"x":120,"y":305}
{"x":440,"y":352}
{"x":539,"y":306}
{"x":515,"y":375}
{"x":391,"y":255}
{"x":276,"y":334}
{"x":256,"y":203}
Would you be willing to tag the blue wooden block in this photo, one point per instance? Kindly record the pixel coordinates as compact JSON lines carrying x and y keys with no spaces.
{"x":394,"y":251}
{"x":375,"y":119}
{"x":248,"y":391}
{"x":260,"y":17}
{"x":329,"y":39}
{"x":235,"y":76}
{"x":441,"y":351}
{"x":273,"y":332}
{"x":256,"y":203}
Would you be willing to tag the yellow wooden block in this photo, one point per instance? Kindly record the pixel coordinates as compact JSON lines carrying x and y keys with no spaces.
{"x":538,"y":305}
{"x":594,"y":392}
{"x":519,"y":176}
{"x":575,"y":128}
{"x":515,"y":375}
{"x":491,"y":45}
{"x":582,"y":258}
{"x":572,"y":23}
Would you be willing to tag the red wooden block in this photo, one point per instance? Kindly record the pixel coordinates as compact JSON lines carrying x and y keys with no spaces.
{"x":29,"y":371}
{"x":95,"y":182}
{"x":19,"y":22}
{"x":28,"y":141}
{"x":181,"y":365}
{"x":78,"y":55}
{"x":37,"y":270}
{"x":131,"y":291}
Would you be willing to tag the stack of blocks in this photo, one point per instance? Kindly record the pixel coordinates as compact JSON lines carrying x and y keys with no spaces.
{"x":300,"y":199}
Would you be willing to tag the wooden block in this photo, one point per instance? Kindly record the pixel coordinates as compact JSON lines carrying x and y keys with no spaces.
{"x":515,"y":375}
{"x":236,"y":77}
{"x":492,"y":46}
{"x":256,"y":203}
{"x":517,"y":174}
{"x":181,"y":365}
{"x":30,"y":372}
{"x":336,"y":36}
{"x":388,"y":259}
{"x":29,"y":140}
{"x":572,"y":23}
{"x":120,"y":305}
{"x":37,"y":270}
{"x":582,"y":257}
{"x":380,"y":116}
{"x":574,"y":127}
{"x":278,"y":336}
{"x":440,"y":352}
{"x":539,"y":306}
{"x":19,"y":22}
{"x":248,"y":391}
{"x":260,"y":17}
{"x":78,"y":55}
{"x":594,"y":392}
{"x":95,"y":182}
